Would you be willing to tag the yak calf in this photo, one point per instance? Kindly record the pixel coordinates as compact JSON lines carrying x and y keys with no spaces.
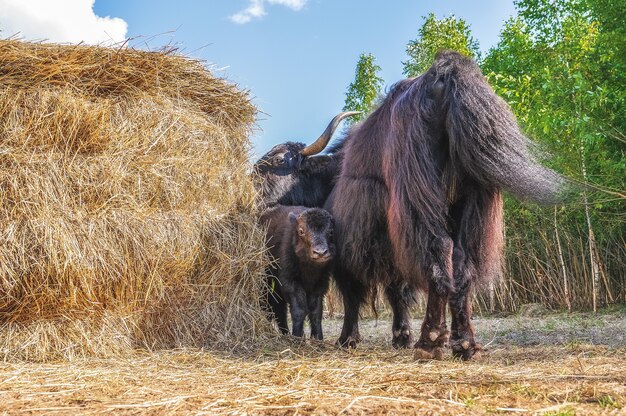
{"x":301,"y":240}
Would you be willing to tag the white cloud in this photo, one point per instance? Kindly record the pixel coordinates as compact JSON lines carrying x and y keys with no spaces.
{"x":62,"y":21}
{"x":292,"y":4}
{"x":256,"y":9}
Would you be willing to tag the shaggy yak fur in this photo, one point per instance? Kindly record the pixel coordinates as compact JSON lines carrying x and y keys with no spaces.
{"x":418,"y":200}
{"x":301,"y":240}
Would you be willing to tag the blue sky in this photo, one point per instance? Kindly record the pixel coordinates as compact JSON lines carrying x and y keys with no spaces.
{"x":298,"y":58}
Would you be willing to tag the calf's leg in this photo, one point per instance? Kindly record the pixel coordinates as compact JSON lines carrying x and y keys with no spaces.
{"x":299,"y":310}
{"x":276,"y":305}
{"x":315,"y":303}
{"x":280,"y":313}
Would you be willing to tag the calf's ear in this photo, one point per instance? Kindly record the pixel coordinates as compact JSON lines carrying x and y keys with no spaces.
{"x":293,"y":217}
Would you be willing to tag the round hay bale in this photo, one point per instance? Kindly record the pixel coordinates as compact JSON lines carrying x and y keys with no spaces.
{"x":127,"y":215}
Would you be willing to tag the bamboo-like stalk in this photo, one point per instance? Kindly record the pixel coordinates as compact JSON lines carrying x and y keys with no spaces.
{"x":562,"y":263}
{"x":591,"y":239}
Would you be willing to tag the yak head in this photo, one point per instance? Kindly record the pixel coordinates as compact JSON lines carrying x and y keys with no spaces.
{"x":284,"y":175}
{"x":313,"y":235}
{"x":282,"y":160}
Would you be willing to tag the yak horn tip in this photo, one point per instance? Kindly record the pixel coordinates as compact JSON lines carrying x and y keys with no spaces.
{"x":323,"y":140}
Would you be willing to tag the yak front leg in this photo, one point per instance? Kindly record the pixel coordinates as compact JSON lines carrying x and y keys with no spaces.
{"x":299,"y":310}
{"x":316,"y":307}
{"x":434,"y":334}
{"x":400,"y":296}
{"x":353,"y":293}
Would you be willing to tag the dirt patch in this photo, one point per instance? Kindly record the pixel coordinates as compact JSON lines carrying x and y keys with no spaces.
{"x":291,"y":377}
{"x":605,"y":329}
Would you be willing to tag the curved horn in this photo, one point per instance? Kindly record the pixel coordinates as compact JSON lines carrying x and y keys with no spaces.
{"x":319,"y":144}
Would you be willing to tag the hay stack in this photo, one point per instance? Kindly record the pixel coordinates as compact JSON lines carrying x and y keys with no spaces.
{"x":126,"y":210}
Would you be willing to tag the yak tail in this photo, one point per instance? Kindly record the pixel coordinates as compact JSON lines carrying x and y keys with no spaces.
{"x":484,"y":137}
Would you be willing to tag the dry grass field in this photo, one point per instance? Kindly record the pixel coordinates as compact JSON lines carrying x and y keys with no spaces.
{"x":554,"y":364}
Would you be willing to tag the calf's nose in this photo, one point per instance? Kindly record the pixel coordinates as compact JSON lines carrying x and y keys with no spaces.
{"x":320,"y":251}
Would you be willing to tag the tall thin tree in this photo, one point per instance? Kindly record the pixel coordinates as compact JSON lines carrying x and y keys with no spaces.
{"x":435,"y":35}
{"x":367,"y":86}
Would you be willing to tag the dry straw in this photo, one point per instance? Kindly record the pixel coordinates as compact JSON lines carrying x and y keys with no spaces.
{"x":126,"y":207}
{"x":305,"y":380}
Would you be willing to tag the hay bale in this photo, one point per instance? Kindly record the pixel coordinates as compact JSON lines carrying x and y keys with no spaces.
{"x":126,"y":208}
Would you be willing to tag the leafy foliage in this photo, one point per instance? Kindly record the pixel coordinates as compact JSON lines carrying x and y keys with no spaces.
{"x":560,"y":65}
{"x":435,"y":35}
{"x":365,"y":89}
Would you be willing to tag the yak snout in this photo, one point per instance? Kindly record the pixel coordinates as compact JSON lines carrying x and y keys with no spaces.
{"x":320,"y":252}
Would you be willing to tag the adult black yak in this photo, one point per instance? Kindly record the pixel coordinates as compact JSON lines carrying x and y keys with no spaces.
{"x":291,"y":174}
{"x":418,"y":199}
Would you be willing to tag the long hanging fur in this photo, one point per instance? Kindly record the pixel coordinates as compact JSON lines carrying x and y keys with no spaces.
{"x":484,"y":137}
{"x":418,"y":200}
{"x":434,"y":139}
{"x":413,"y":162}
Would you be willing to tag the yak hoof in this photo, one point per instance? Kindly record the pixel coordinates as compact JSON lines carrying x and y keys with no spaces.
{"x":402,"y":338}
{"x":466,"y":351}
{"x":436,"y":353}
{"x":347,"y":342}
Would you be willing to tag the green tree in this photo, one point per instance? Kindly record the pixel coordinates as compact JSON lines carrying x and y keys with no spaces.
{"x":435,"y":35}
{"x":365,"y":89}
{"x":558,"y":64}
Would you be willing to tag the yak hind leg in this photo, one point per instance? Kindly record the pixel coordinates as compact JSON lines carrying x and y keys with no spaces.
{"x":434,"y":333}
{"x":462,"y":340}
{"x":476,"y":255}
{"x":400,"y":297}
{"x":353,"y":294}
{"x":280,"y":313}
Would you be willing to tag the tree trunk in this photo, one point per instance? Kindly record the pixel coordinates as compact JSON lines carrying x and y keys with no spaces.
{"x":562,"y":262}
{"x":593,"y":253}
